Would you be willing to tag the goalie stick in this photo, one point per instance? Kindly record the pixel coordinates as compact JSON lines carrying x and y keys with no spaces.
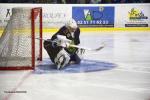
{"x":80,"y":47}
{"x":89,"y":49}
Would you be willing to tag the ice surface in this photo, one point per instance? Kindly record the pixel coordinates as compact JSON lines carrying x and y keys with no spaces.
{"x":122,"y":72}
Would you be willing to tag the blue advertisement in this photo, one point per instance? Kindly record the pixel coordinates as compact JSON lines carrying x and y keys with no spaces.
{"x":94,"y":16}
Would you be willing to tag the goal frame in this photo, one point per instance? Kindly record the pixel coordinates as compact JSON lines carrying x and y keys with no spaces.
{"x":34,"y":14}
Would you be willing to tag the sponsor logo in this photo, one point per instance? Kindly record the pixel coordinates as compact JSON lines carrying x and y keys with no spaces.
{"x":136,"y":14}
{"x":8,"y":13}
{"x":54,"y":15}
{"x":5,"y":16}
{"x":94,"y":16}
{"x":136,"y":18}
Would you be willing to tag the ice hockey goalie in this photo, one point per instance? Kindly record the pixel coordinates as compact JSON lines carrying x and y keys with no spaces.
{"x":58,"y":49}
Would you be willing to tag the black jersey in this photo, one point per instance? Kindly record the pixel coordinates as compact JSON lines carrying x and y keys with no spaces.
{"x":74,"y":39}
{"x":65,"y":32}
{"x":53,"y":51}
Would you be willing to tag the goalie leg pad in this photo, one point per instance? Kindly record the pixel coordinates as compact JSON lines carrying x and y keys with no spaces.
{"x":62,"y":59}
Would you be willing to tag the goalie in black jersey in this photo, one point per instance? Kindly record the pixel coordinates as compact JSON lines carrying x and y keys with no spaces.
{"x":58,"y":47}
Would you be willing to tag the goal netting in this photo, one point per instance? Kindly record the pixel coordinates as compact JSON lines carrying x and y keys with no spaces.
{"x":18,"y":47}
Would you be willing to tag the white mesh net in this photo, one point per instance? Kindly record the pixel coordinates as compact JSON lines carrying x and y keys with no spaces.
{"x":16,"y":42}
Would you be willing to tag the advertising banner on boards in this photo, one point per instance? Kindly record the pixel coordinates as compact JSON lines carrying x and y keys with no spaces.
{"x":94,"y":16}
{"x":136,"y":18}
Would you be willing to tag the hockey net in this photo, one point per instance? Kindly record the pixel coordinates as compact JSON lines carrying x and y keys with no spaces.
{"x":18,"y":48}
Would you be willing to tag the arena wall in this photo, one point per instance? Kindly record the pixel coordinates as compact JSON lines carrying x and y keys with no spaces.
{"x":90,"y":17}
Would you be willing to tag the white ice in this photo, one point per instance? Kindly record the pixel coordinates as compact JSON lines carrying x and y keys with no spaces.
{"x":129,"y":80}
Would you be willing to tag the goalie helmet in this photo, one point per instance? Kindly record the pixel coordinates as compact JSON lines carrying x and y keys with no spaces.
{"x":72,"y":24}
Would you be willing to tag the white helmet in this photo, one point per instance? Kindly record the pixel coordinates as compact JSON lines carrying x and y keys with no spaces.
{"x":72,"y":23}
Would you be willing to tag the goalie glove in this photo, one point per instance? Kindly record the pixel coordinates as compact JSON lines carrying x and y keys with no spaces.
{"x":80,"y":53}
{"x":61,"y":41}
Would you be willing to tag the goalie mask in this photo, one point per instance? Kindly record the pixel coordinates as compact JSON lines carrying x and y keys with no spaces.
{"x":71,"y":25}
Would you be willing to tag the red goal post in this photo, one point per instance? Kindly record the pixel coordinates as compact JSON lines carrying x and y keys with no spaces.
{"x":34,"y":14}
